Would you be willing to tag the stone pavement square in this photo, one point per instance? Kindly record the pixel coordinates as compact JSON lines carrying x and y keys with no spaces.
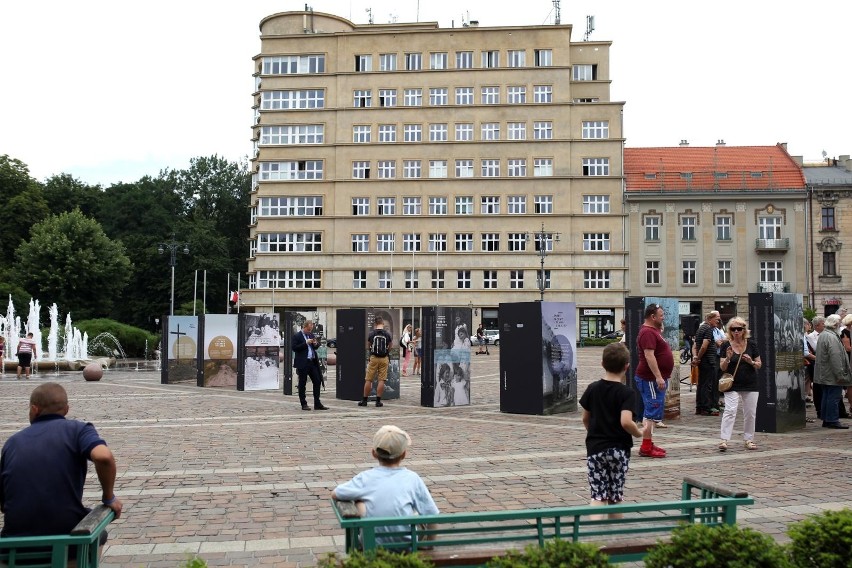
{"x":243,"y":478}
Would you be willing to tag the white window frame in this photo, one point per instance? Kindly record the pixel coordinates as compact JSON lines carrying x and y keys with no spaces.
{"x":412,"y":205}
{"x":490,"y":242}
{"x":438,"y":96}
{"x":543,"y":204}
{"x":517,"y":242}
{"x":490,"y":167}
{"x":363,"y":63}
{"x":359,"y":279}
{"x":464,"y":95}
{"x":543,"y":57}
{"x":360,"y":169}
{"x":362,"y":98}
{"x":463,"y":279}
{"x":596,"y":204}
{"x":516,"y":130}
{"x":387,"y":133}
{"x":386,"y":169}
{"x":362,"y":133}
{"x":689,"y":272}
{"x":596,"y":279}
{"x":412,"y":279}
{"x":438,"y":205}
{"x":516,"y":167}
{"x":386,"y":206}
{"x":412,"y":132}
{"x":771,"y":271}
{"x":724,"y":272}
{"x":517,"y":204}
{"x":652,"y":272}
{"x":385,"y":242}
{"x":411,"y":242}
{"x":360,"y":206}
{"x":361,"y":242}
{"x":385,"y":279}
{"x":438,"y":60}
{"x":437,"y":169}
{"x":387,"y":98}
{"x":413,"y":61}
{"x":295,"y":206}
{"x":543,"y":94}
{"x":489,"y":279}
{"x":291,"y":170}
{"x":593,"y":167}
{"x":652,"y":228}
{"x":724,"y":226}
{"x":490,"y":59}
{"x":490,"y":131}
{"x":489,"y":95}
{"x":437,"y":242}
{"x":516,"y":279}
{"x":412,"y":97}
{"x":464,"y":60}
{"x":464,"y":131}
{"x":438,"y":133}
{"x":464,"y":168}
{"x":688,"y":227}
{"x":769,"y":227}
{"x":411,"y":169}
{"x":464,"y":205}
{"x":543,"y":130}
{"x":517,"y":58}
{"x":595,"y":129}
{"x":543,"y":167}
{"x":387,"y":62}
{"x":464,"y":242}
{"x":438,"y":280}
{"x":584,"y":72}
{"x":489,"y":205}
{"x":292,"y":134}
{"x":596,"y":242}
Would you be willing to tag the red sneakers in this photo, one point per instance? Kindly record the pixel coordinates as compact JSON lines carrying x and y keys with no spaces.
{"x":654,"y":452}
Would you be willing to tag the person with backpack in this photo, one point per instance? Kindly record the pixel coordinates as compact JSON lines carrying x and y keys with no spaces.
{"x":379,"y":343}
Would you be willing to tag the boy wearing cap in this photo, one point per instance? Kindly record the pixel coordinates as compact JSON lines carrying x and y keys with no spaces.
{"x":608,"y":418}
{"x":389,"y":489}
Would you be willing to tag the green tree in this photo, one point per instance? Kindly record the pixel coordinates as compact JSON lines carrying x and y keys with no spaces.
{"x":69,"y":260}
{"x":23,"y":206}
{"x":65,"y":193}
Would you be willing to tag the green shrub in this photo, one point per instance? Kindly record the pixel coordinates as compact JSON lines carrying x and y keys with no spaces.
{"x":696,"y":546}
{"x":822,"y":541}
{"x":381,"y":558}
{"x":194,"y":562}
{"x":132,"y":339}
{"x":554,"y":553}
{"x":597,"y":342}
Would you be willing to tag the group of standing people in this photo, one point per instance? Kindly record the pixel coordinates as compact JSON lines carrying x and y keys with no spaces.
{"x":410,"y":343}
{"x":828,"y":349}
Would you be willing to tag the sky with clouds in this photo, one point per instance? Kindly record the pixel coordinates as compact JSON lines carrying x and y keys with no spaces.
{"x":113,"y":91}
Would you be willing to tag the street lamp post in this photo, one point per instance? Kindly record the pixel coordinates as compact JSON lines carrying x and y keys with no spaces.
{"x":172,"y":246}
{"x":542,"y":237}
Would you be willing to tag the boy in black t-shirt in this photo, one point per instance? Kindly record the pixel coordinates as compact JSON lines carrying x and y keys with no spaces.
{"x":608,"y":418}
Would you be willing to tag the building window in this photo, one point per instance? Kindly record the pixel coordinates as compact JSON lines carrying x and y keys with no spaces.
{"x":827,"y":216}
{"x":517,"y":58}
{"x":769,"y":227}
{"x":293,"y":65}
{"x":687,"y":227}
{"x":387,"y":133}
{"x":543,"y":204}
{"x":360,"y":243}
{"x":437,"y":242}
{"x":517,"y":130}
{"x":387,"y":62}
{"x":489,"y":205}
{"x":411,"y":279}
{"x":363,"y":98}
{"x":595,"y":166}
{"x":464,"y":168}
{"x":286,"y":100}
{"x":437,"y":279}
{"x":363,"y":63}
{"x":438,"y":60}
{"x":438,"y":206}
{"x":385,"y":242}
{"x":517,"y":167}
{"x":387,"y":169}
{"x":652,"y":228}
{"x":585,"y":72}
{"x":437,"y":132}
{"x":360,"y":206}
{"x":412,"y":97}
{"x":464,"y":132}
{"x":300,"y":169}
{"x":596,"y":241}
{"x":361,"y":170}
{"x":587,"y":100}
{"x":542,"y":93}
{"x":829,"y":264}
{"x":290,"y":242}
{"x":547,"y":242}
{"x":723,"y":227}
{"x":361,"y":133}
{"x":385,"y":279}
{"x":543,"y":167}
{"x":490,"y":130}
{"x":463,"y":279}
{"x":546,"y":279}
{"x":387,"y":97}
{"x":410,"y":242}
{"x":516,"y":95}
{"x":490,"y":59}
{"x":544,"y":131}
{"x":596,"y":204}
{"x":412,"y":132}
{"x":307,"y":206}
{"x":517,"y":242}
{"x":289,"y":279}
{"x":464,"y":205}
{"x":411,"y":168}
{"x":516,"y":279}
{"x":724,"y":271}
{"x":411,"y":206}
{"x":490,"y":95}
{"x":438,"y":96}
{"x":292,"y":134}
{"x":387,"y":205}
{"x":464,"y":95}
{"x":543,"y":57}
{"x":689,"y":272}
{"x":596,"y":279}
{"x":595,"y":129}
{"x":437,"y":168}
{"x":464,"y":242}
{"x":517,"y":204}
{"x":359,"y":279}
{"x":464,"y":60}
{"x":652,"y":272}
{"x":490,"y":168}
{"x":413,"y":62}
{"x":771,"y":271}
{"x":489,"y":279}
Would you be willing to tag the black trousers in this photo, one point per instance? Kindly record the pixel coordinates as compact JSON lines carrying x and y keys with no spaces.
{"x":707,"y":393}
{"x":312,"y":371}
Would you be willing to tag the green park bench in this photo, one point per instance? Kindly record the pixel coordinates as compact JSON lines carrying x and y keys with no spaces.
{"x":471,"y":539}
{"x":52,"y":551}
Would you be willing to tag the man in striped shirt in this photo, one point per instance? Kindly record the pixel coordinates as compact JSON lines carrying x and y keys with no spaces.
{"x":26,"y":353}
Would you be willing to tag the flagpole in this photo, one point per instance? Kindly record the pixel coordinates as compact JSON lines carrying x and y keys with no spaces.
{"x":195,"y":292}
{"x":204,"y":295}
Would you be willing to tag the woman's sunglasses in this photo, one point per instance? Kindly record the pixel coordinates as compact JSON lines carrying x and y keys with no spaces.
{"x":737,"y":328}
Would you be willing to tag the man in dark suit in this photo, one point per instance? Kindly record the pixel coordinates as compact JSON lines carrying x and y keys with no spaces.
{"x":306,"y":362}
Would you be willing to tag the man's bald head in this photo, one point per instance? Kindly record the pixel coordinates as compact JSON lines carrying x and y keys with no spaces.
{"x":48,"y":398}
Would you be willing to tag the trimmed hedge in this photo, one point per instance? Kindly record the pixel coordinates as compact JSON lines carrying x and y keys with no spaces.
{"x":697,"y":546}
{"x":380,"y":558}
{"x":554,"y":553}
{"x":822,"y":541}
{"x":132,"y":339}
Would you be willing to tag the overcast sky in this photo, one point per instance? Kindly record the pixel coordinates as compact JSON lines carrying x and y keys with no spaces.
{"x":110,"y":91}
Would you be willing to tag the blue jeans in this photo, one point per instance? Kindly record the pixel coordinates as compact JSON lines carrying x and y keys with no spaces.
{"x":830,"y":410}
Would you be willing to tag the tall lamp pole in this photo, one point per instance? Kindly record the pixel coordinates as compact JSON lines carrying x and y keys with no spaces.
{"x":542,"y":237}
{"x":172,"y":246}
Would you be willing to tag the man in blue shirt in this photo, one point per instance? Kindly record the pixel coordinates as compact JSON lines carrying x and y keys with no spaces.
{"x":43,"y":469}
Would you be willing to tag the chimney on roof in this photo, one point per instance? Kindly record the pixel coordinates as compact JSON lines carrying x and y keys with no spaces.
{"x":800,"y":160}
{"x":474,"y":23}
{"x":783,"y":145}
{"x":846,"y":162}
{"x":684,"y":143}
{"x":720,"y":142}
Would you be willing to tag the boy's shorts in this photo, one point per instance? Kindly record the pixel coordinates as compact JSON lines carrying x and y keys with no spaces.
{"x":653,"y":398}
{"x":377,"y":366}
{"x":607,"y":474}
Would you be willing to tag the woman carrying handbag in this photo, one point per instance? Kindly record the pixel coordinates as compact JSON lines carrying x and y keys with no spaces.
{"x":741,"y":357}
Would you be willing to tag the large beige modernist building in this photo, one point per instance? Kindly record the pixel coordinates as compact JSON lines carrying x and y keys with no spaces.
{"x":408,"y":165}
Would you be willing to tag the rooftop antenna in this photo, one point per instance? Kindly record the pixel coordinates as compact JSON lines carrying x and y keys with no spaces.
{"x":590,"y":27}
{"x":369,"y":15}
{"x":466,"y":19}
{"x":557,"y":17}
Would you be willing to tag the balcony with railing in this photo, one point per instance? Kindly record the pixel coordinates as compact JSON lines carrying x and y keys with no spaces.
{"x":773,"y":286}
{"x":772,"y":245}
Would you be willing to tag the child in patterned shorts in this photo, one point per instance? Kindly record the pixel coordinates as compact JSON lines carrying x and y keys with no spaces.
{"x":608,"y":418}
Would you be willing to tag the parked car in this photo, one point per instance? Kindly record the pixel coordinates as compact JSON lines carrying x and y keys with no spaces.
{"x":493,"y":336}
{"x":614,"y":335}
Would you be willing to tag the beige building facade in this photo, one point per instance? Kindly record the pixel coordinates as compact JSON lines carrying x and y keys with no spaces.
{"x":405,"y":165}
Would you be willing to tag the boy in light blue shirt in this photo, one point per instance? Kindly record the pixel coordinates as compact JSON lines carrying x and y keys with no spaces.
{"x":389,"y":489}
